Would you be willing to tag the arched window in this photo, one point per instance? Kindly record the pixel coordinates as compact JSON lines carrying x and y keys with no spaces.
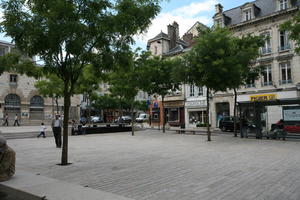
{"x":12,"y":100}
{"x":37,"y":101}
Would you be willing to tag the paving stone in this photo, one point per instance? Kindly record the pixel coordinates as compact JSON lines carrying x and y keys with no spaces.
{"x":157,"y":166}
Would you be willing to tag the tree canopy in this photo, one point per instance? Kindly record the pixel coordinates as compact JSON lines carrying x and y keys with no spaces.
{"x":293,"y":26}
{"x":69,"y":35}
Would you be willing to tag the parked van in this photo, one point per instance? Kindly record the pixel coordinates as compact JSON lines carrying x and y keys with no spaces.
{"x":143,"y":117}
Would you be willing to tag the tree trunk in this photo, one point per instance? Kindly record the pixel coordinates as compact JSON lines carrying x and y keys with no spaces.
{"x":89,"y":110}
{"x":67,"y":103}
{"x":53,"y":107}
{"x":164,"y":114}
{"x":207,"y":115}
{"x":235,"y":113}
{"x":132,"y":120}
{"x":57,"y":107}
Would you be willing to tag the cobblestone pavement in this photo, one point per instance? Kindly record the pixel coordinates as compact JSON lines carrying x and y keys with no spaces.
{"x":157,"y":166}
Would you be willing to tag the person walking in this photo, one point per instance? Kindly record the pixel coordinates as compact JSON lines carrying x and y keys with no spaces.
{"x":42,"y":131}
{"x":16,"y":120}
{"x":7,"y":160}
{"x":5,"y":120}
{"x":56,"y":128}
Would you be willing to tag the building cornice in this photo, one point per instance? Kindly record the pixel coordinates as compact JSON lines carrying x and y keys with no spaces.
{"x":267,"y":17}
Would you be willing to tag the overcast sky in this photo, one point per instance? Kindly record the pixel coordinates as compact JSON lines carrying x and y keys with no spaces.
{"x":185,"y":12}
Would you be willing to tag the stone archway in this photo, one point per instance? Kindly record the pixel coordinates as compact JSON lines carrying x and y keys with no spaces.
{"x":12,"y":105}
{"x":36,"y":108}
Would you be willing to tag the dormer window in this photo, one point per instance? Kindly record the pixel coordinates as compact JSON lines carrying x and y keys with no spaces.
{"x":283,"y":4}
{"x":247,"y":15}
{"x":219,"y":22}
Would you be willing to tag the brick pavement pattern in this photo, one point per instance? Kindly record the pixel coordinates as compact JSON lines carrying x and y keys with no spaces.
{"x":157,"y":166}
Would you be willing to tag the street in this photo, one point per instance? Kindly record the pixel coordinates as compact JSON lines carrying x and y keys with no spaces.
{"x":157,"y":166}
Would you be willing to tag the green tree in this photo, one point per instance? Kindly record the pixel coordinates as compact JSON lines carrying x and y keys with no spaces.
{"x":88,"y":84}
{"x":157,"y":77}
{"x":68,"y":35}
{"x":51,"y":87}
{"x":210,"y":63}
{"x":16,"y":62}
{"x":245,"y":51}
{"x":293,"y":27}
{"x":125,"y":81}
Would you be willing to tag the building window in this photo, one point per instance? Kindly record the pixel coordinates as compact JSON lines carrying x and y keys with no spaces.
{"x":2,"y":51}
{"x":84,"y":98}
{"x":192,"y":90}
{"x":284,"y":41}
{"x":250,"y":83}
{"x":283,"y":4}
{"x":13,"y":78}
{"x":173,"y":117}
{"x":200,"y":91}
{"x":248,"y":15}
{"x":219,"y":22}
{"x":285,"y":73}
{"x":267,"y":76}
{"x":155,"y":50}
{"x":266,"y":48}
{"x":197,"y":117}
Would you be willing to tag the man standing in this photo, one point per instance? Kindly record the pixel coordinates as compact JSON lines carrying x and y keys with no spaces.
{"x":5,"y":120}
{"x":7,"y":160}
{"x":56,"y":128}
{"x":16,"y":120}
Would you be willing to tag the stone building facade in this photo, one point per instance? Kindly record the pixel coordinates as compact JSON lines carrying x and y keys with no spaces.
{"x":282,"y":65}
{"x":185,"y":107}
{"x":18,"y":96}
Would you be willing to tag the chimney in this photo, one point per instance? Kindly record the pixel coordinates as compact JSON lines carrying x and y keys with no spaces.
{"x":176,"y":26}
{"x":219,"y":8}
{"x":172,"y":36}
{"x":188,"y":37}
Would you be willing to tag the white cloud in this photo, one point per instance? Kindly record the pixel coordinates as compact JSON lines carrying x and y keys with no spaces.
{"x":185,"y":16}
{"x":195,"y":8}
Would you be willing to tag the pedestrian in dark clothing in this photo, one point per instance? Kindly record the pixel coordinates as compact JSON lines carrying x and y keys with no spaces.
{"x":42,"y":131}
{"x":244,"y":129}
{"x":5,"y":120}
{"x":56,"y":127}
{"x":16,"y":120}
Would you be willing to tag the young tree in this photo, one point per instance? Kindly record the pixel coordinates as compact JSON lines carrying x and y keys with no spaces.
{"x":88,"y":84}
{"x":51,"y":87}
{"x":244,"y":54}
{"x":125,"y":82}
{"x":211,"y":63}
{"x":68,"y":35}
{"x":293,"y":27}
{"x":157,"y":78}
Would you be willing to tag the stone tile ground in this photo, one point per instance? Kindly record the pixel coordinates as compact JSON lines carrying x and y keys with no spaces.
{"x":157,"y":166}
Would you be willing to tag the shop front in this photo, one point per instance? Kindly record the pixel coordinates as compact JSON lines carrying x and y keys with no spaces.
{"x":174,"y":113}
{"x":264,"y":110}
{"x":195,"y":113}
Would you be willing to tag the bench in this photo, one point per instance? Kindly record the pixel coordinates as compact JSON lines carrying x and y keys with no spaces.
{"x":186,"y":130}
{"x":27,"y":186}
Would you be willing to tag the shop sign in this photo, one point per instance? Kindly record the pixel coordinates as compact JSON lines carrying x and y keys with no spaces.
{"x":263,"y":97}
{"x":201,"y":103}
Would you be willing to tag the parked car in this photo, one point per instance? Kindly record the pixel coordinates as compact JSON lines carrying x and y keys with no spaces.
{"x":227,"y":123}
{"x":123,"y":120}
{"x":143,"y":117}
{"x":96,"y":119}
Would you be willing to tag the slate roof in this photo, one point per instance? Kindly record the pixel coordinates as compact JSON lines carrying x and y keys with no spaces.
{"x":267,"y":7}
{"x":165,"y":36}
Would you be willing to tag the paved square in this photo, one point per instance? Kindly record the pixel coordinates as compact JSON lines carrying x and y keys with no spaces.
{"x":153,"y":165}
